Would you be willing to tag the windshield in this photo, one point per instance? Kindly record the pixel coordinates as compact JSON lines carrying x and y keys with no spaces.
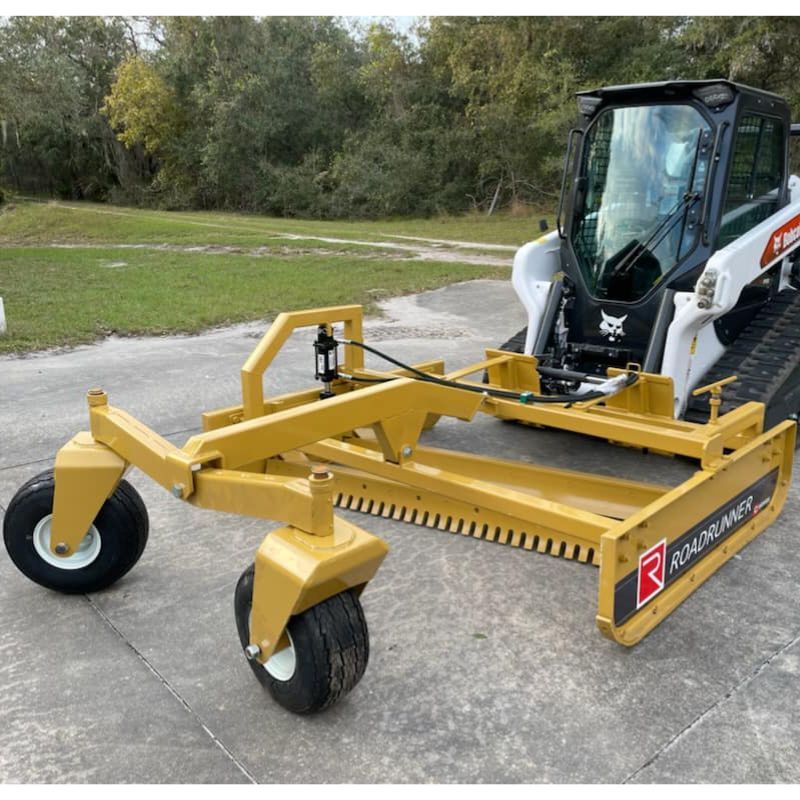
{"x":641,"y":173}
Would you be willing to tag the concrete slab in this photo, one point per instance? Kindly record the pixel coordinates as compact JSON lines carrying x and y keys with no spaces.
{"x":760,"y":716}
{"x":485,"y":664}
{"x":79,"y":705}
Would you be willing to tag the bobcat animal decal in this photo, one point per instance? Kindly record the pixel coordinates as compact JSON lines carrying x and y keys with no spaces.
{"x":611,"y":327}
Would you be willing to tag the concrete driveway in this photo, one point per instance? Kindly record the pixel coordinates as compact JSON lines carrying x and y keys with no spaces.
{"x":485,"y":665}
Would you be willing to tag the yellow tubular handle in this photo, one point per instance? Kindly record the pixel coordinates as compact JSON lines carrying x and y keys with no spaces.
{"x":715,"y":387}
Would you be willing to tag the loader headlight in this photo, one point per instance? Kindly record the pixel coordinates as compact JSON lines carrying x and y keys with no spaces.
{"x":706,"y":287}
{"x":587,"y":105}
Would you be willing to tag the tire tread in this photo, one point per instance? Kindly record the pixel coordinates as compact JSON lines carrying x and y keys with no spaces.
{"x":124,"y":506}
{"x":334,"y":639}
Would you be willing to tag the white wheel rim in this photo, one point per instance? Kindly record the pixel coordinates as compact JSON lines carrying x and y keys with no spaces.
{"x":280,"y":665}
{"x":86,"y":552}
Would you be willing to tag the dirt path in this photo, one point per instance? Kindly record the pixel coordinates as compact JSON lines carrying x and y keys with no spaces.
{"x":412,"y":247}
{"x":508,"y":248}
{"x":420,"y":252}
{"x":370,"y":250}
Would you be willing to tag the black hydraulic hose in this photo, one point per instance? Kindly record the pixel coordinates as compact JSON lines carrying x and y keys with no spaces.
{"x":569,"y":375}
{"x":522,"y":397}
{"x":369,"y":380}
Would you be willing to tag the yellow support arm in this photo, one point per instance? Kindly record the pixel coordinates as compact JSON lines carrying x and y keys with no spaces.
{"x":274,"y":339}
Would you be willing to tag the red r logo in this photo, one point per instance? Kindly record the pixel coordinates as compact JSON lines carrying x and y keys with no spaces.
{"x":652,"y":572}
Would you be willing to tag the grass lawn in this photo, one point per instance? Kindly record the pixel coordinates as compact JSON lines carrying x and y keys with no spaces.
{"x":71,"y":273}
{"x":70,"y":296}
{"x":42,"y":222}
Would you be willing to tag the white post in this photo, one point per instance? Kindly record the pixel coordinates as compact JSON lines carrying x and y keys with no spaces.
{"x":2,"y":318}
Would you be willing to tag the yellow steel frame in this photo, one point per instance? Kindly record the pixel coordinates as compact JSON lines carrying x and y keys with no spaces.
{"x":258,"y":459}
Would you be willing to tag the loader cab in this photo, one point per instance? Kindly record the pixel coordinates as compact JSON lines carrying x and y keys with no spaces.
{"x":658,"y":177}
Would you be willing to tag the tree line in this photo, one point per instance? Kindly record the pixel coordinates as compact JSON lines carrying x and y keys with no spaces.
{"x":310,"y":116}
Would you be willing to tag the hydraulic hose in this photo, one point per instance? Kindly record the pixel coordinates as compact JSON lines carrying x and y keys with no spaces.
{"x":522,"y":397}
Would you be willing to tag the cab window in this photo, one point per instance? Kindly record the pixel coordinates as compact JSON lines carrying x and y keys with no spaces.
{"x":756,"y":176}
{"x":642,"y":171}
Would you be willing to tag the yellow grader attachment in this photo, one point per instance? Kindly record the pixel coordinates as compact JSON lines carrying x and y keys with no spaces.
{"x":357,"y":445}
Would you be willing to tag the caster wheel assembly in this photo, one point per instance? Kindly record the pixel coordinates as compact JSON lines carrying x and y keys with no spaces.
{"x":327,"y":652}
{"x":113,"y":544}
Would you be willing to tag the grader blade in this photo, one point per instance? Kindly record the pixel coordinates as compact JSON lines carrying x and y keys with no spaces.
{"x":651,"y":562}
{"x":603,"y":501}
{"x":395,"y":501}
{"x":359,"y":445}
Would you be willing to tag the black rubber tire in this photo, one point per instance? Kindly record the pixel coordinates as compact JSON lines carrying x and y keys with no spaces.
{"x":331,"y":647}
{"x":122,"y":524}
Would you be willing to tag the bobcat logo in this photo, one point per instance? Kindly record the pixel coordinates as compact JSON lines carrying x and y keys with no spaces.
{"x":611,"y":327}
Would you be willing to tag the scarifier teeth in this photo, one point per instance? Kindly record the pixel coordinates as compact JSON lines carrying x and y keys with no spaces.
{"x":469,"y":525}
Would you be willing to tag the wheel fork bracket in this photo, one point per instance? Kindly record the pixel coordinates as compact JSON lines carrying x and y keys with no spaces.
{"x":86,"y":474}
{"x":296,"y":570}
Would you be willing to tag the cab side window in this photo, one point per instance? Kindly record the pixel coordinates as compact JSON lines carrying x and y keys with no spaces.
{"x":756,"y":176}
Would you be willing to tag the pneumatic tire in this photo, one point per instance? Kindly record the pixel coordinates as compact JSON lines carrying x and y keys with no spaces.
{"x":327,"y":656}
{"x":113,"y":544}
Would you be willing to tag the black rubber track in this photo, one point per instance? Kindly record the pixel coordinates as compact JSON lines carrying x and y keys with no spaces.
{"x":331,"y":645}
{"x":766,"y":359}
{"x":516,"y":344}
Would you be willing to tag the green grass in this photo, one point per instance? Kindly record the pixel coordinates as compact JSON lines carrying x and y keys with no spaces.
{"x":56,"y":297}
{"x":39,"y":222}
{"x":62,"y":296}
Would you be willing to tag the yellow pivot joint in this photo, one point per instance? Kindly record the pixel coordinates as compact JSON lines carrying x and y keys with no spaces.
{"x":320,"y":482}
{"x":96,"y":397}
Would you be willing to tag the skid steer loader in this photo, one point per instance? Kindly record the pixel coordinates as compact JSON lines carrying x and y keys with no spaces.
{"x":678,"y":247}
{"x":673,"y":265}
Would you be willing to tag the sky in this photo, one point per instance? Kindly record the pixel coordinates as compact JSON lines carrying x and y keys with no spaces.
{"x":403,"y":24}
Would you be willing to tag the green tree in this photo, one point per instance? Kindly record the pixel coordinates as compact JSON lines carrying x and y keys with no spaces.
{"x":761,"y":51}
{"x":54,"y":74}
{"x":305,"y":116}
